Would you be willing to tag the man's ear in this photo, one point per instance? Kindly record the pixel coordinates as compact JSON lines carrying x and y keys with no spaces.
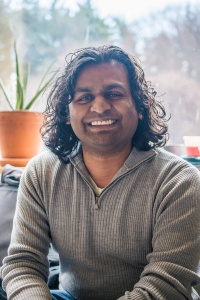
{"x":68,"y":122}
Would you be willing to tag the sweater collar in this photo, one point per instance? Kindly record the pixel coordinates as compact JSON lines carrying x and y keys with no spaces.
{"x":135,"y":158}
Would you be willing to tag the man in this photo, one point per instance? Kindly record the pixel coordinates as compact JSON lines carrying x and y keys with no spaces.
{"x":122,"y":213}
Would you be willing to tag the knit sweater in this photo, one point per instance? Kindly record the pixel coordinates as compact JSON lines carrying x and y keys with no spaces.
{"x":138,"y":240}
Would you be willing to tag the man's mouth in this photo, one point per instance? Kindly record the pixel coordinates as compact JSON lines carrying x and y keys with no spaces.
{"x":100,"y":123}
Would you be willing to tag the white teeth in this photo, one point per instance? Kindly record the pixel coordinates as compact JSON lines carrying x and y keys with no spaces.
{"x":107,"y":122}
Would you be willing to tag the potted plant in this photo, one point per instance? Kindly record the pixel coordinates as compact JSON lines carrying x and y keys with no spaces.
{"x":19,"y":127}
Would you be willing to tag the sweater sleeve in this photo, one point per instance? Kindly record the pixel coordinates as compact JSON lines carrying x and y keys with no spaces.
{"x":25,"y":269}
{"x":172,"y":265}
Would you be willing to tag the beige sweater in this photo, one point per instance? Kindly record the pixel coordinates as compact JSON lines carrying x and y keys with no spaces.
{"x":138,"y":240}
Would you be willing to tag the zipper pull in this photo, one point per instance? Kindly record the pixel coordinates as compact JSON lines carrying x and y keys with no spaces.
{"x":96,"y":206}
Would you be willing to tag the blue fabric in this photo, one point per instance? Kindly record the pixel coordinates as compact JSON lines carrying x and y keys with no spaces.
{"x":2,"y":293}
{"x":61,"y":295}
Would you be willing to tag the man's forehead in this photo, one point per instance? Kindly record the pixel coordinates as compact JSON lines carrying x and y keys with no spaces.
{"x":110,"y":63}
{"x":113,"y":67}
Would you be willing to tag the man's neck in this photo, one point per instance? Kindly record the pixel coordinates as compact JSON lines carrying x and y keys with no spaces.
{"x":102,"y":168}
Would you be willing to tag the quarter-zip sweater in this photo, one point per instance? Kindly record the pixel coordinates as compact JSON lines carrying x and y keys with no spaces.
{"x":138,"y":240}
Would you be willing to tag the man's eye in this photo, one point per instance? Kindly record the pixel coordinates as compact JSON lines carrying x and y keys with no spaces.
{"x":84,"y":99}
{"x":114,"y":95}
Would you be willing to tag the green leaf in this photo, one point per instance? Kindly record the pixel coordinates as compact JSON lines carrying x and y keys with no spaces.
{"x":21,"y":85}
{"x":5,"y":94}
{"x":20,"y":97}
{"x":18,"y":83}
{"x":38,"y":93}
{"x":25,"y":80}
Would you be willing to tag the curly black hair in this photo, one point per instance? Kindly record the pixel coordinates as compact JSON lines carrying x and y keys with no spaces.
{"x":152,"y":130}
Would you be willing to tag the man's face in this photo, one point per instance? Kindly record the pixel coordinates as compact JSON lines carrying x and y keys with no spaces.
{"x":102,"y":113}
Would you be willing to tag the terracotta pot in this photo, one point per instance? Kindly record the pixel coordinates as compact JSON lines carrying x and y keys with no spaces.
{"x":19,"y":133}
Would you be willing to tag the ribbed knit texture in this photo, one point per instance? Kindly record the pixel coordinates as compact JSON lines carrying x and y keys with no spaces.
{"x":140,"y":240}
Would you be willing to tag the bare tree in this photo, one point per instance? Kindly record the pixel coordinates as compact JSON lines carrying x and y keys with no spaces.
{"x":171,"y":57}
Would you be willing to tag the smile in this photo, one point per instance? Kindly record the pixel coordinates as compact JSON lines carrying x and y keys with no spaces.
{"x":99,"y":123}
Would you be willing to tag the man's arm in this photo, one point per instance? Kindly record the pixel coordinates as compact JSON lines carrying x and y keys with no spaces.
{"x":25,"y":269}
{"x":173,"y":262}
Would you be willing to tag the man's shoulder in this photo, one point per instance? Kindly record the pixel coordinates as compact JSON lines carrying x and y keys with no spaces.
{"x":45,"y":164}
{"x":170,"y":162}
{"x":171,"y":158}
{"x":45,"y":157}
{"x":157,"y":157}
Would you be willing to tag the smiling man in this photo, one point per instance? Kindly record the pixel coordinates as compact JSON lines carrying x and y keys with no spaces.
{"x":104,"y":117}
{"x":122,"y":213}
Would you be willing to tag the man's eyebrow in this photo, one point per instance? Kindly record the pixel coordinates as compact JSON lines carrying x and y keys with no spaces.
{"x":106,"y":88}
{"x":114,"y":86}
{"x":83,"y":90}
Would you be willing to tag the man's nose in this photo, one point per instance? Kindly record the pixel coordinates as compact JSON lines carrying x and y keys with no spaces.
{"x":100,"y":105}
